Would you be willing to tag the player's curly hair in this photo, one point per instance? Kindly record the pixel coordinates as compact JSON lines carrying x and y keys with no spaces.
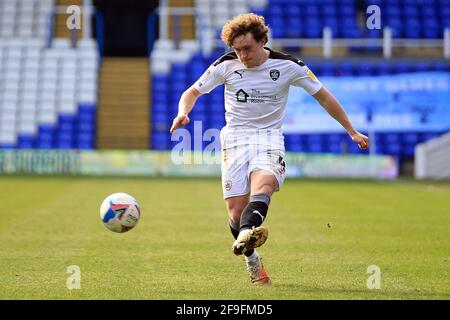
{"x":241,"y":25}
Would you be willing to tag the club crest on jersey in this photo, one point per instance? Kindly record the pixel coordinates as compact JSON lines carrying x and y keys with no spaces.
{"x":228,"y":185}
{"x":274,"y":74}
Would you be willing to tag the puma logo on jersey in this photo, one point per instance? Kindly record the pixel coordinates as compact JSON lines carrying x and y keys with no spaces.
{"x":240,"y":73}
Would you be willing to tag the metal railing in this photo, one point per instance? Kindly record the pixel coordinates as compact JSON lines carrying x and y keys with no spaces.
{"x":206,"y":35}
{"x":386,"y":43}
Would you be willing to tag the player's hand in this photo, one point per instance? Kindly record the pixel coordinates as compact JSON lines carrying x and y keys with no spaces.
{"x":361,"y":140}
{"x":179,"y":121}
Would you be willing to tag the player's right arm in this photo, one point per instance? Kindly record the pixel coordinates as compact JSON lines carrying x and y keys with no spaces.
{"x":208,"y":81}
{"x":185,"y":105}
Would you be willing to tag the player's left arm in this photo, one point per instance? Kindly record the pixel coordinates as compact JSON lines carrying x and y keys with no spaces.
{"x":334,"y":108}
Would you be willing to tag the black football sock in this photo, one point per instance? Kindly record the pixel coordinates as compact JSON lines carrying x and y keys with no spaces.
{"x":255,"y":212}
{"x":234,"y":228}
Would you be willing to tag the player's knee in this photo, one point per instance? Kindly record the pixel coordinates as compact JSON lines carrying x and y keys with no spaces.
{"x":235,"y":221}
{"x":266,"y":188}
{"x":235,"y":214}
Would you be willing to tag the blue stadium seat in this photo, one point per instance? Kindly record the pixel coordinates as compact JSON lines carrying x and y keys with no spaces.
{"x":292,"y":142}
{"x":333,"y":143}
{"x":382,"y":68}
{"x":86,"y":117}
{"x":393,"y":11}
{"x":413,"y":31}
{"x":25,"y":142}
{"x":402,"y":67}
{"x":364,"y":70}
{"x":159,"y":96}
{"x":314,"y":143}
{"x":329,"y":11}
{"x":45,"y":137}
{"x":429,"y":12}
{"x":345,"y":69}
{"x":276,"y":10}
{"x":278,"y":27}
{"x":411,"y":11}
{"x":421,"y":66}
{"x":66,"y":123}
{"x":312,"y":10}
{"x":392,"y":143}
{"x":159,"y":107}
{"x":7,"y":146}
{"x":425,"y":136}
{"x":160,"y":83}
{"x":86,"y":127}
{"x":294,"y":28}
{"x":346,"y":10}
{"x":349,"y":32}
{"x":327,"y":69}
{"x":441,"y":66}
{"x":409,"y":141}
{"x":64,"y":140}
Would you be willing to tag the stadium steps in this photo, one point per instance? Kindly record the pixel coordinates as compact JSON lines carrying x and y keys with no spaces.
{"x":60,"y":26}
{"x":123,"y":113}
{"x":186,"y":22}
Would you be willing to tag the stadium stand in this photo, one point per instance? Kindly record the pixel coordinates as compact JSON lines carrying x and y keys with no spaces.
{"x":48,"y":89}
{"x":300,"y":19}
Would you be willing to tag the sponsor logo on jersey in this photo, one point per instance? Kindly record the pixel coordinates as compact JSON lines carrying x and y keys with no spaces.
{"x":255,"y":97}
{"x":241,"y":96}
{"x":274,"y":74}
{"x":311,"y":75}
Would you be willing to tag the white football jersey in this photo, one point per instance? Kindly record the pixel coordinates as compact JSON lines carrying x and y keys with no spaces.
{"x":255,"y":98}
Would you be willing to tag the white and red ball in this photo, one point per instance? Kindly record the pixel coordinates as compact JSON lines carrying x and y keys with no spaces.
{"x":120,"y":212}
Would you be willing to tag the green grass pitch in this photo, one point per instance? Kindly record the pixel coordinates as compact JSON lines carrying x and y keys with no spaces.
{"x":323,"y":235}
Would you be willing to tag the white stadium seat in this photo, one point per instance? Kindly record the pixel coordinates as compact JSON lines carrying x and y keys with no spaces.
{"x":46,"y":117}
{"x":36,"y":83}
{"x":8,"y":137}
{"x":49,"y":75}
{"x":28,"y":106}
{"x":61,"y":43}
{"x":27,"y":128}
{"x":9,"y":106}
{"x":67,"y":107}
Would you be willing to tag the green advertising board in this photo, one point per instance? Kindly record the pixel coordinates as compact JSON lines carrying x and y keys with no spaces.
{"x":196,"y":164}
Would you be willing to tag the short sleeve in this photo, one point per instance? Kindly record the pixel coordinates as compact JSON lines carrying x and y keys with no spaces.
{"x":211,"y":79}
{"x":306,"y":79}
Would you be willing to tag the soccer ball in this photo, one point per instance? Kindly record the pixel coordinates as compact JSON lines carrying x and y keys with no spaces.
{"x":120,"y":212}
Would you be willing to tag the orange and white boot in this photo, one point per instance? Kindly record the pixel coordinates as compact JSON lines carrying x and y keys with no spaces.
{"x":255,"y":268}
